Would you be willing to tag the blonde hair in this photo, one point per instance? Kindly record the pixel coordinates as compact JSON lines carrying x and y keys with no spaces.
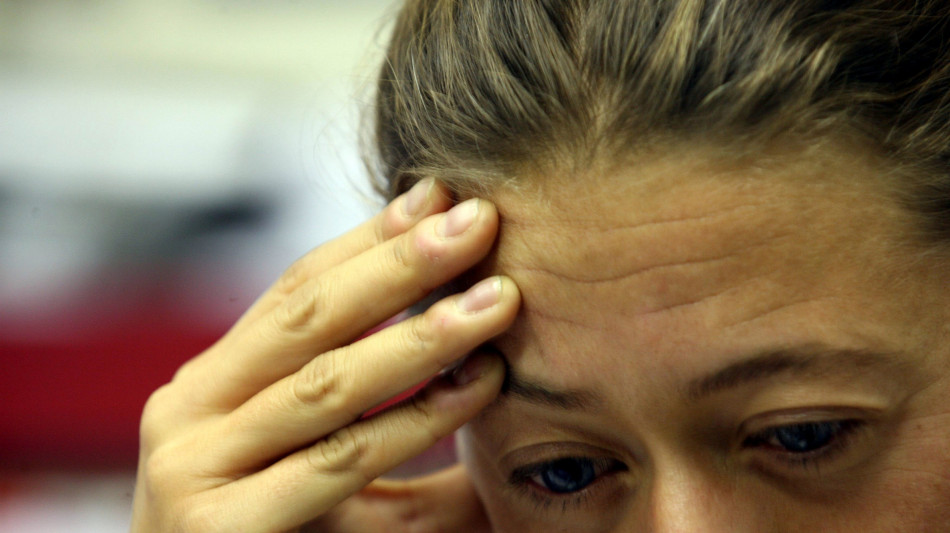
{"x":473,"y":90}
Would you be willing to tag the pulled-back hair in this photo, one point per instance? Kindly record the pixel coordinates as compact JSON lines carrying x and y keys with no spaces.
{"x":472,"y":91}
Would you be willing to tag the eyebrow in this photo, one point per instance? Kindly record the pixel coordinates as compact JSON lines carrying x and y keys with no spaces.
{"x":807,"y":360}
{"x":530,"y":391}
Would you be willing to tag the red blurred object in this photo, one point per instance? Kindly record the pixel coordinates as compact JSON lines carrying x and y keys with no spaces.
{"x":74,"y":381}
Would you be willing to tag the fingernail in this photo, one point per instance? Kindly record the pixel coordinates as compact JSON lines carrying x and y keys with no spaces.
{"x":483,"y":295}
{"x":416,"y":197}
{"x":458,"y":219}
{"x":473,"y":368}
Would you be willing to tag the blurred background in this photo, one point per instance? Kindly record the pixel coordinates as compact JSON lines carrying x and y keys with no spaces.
{"x":161,"y":162}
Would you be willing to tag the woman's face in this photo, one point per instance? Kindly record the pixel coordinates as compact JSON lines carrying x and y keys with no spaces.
{"x":704,"y":349}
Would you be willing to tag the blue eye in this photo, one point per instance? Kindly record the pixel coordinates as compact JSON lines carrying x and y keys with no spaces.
{"x":806,"y":438}
{"x":566,"y":475}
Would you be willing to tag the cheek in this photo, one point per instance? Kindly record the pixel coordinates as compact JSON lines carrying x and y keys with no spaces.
{"x":911,"y":501}
{"x":920,"y":476}
{"x":506,"y":513}
{"x":931,"y":504}
{"x":484,"y":478}
{"x":910,"y":492}
{"x":477,"y":462}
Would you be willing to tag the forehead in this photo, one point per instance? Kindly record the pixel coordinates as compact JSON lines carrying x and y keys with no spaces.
{"x":679,"y":229}
{"x":664,"y":256}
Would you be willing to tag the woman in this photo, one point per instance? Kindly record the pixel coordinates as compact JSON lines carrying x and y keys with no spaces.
{"x":707,"y":249}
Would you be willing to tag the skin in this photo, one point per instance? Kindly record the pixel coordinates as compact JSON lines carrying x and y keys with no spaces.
{"x":634,"y":283}
{"x":639,"y":284}
{"x":262,"y":432}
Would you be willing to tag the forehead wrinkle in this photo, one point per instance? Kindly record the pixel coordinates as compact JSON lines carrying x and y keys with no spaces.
{"x":635,"y":271}
{"x":531,"y":311}
{"x":575,"y":257}
{"x":688,"y":249}
{"x":770,"y":308}
{"x":631,"y":290}
{"x":597,"y":223}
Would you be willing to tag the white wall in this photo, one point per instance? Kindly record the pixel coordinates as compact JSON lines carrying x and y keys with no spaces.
{"x":121,"y":118}
{"x":116,"y":113}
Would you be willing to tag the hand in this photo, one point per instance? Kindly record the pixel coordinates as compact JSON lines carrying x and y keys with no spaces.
{"x":263,"y":431}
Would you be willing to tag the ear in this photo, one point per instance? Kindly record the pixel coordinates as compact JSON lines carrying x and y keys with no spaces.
{"x":438,"y":503}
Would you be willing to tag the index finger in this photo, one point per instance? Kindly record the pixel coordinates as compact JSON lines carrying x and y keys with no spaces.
{"x":425,"y":198}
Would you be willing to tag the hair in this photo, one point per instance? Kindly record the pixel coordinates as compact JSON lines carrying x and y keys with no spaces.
{"x":474,"y":91}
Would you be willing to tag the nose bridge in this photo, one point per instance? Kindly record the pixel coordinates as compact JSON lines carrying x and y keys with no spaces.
{"x":685,"y":498}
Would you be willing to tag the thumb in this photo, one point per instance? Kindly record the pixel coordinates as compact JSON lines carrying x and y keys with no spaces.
{"x":443,"y":502}
{"x":448,"y":502}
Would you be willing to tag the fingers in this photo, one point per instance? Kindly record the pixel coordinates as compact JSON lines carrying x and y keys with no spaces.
{"x":444,"y":501}
{"x":424,"y":199}
{"x":337,"y":306}
{"x":311,"y":481}
{"x":262,"y":431}
{"x":334,"y":389}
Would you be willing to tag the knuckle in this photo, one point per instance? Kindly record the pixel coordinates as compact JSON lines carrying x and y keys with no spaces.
{"x":389,"y":224}
{"x":417,"y":248}
{"x":170,"y":490}
{"x":420,"y":335}
{"x":160,"y":471}
{"x":321,"y":382}
{"x":157,"y":401}
{"x":193,"y":370}
{"x":302,"y":310}
{"x":343,"y":452}
{"x":294,"y":276}
{"x":430,"y":331}
{"x":154,"y":422}
{"x":427,"y":419}
{"x":402,"y":254}
{"x":185,"y":371}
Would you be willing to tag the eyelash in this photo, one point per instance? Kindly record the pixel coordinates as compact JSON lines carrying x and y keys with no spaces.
{"x":522,"y":478}
{"x":842,"y":435}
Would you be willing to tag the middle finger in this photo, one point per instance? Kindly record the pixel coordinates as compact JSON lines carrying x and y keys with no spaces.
{"x":348,"y":299}
{"x":336,"y":388}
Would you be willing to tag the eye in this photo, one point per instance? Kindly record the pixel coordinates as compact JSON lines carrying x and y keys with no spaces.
{"x":800,"y":438}
{"x":567,"y":475}
{"x":805,"y":437}
{"x":806,"y":441}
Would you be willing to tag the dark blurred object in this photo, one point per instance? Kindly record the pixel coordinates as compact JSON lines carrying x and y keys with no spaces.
{"x":79,"y":364}
{"x":160,"y":163}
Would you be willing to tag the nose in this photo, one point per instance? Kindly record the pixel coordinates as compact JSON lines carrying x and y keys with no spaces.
{"x":691,"y":499}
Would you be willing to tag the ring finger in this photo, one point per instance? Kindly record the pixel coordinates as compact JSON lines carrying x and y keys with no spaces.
{"x":336,"y":307}
{"x":334,"y":389}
